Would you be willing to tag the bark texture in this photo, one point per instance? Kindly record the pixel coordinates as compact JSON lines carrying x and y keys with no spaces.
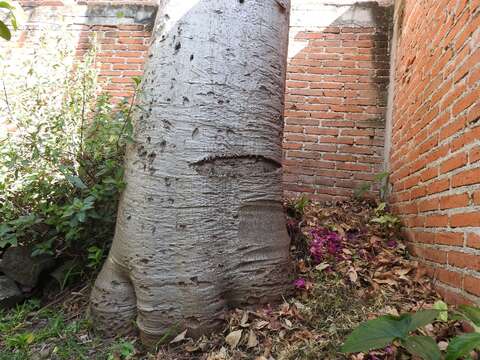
{"x":200,"y":225}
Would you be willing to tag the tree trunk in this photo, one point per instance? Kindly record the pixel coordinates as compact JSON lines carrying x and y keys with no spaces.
{"x":200,"y":225}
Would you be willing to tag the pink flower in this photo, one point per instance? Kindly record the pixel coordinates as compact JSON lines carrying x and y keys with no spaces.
{"x":325,"y":243}
{"x":300,"y":284}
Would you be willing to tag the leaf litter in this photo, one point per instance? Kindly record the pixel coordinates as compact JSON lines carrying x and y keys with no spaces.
{"x":348,"y":269}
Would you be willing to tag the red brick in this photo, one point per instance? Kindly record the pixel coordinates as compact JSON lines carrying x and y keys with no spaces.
{"x":464,"y":260}
{"x":474,"y":154}
{"x":449,"y":238}
{"x":466,"y":219}
{"x":467,"y":177}
{"x":438,"y":186}
{"x":453,"y":163}
{"x":425,"y":237}
{"x":472,"y":285}
{"x":450,"y":277}
{"x":434,"y":255}
{"x":428,"y":205}
{"x":452,"y":297}
{"x":476,"y":197}
{"x":436,"y":221}
{"x":473,"y":240}
{"x":454,"y":201}
{"x":465,"y":102}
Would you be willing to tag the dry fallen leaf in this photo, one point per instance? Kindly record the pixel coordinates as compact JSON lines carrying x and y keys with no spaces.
{"x":233,"y":338}
{"x":261,"y":324}
{"x":442,"y":345}
{"x":352,"y":274}
{"x":322,"y":266}
{"x":252,"y":340}
{"x":244,"y":321}
{"x":288,"y":323}
{"x":180,"y":337}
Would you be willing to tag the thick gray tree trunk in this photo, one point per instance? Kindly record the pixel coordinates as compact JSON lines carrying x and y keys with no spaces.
{"x":200,"y":225}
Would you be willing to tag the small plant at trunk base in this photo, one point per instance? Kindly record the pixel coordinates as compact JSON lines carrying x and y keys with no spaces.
{"x":389,"y":224}
{"x":296,"y":207}
{"x":382,"y":331}
{"x":385,"y":330}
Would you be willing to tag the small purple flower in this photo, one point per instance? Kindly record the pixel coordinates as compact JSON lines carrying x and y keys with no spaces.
{"x":324,"y":243}
{"x":392,"y":243}
{"x":353,"y":235}
{"x":300,"y":284}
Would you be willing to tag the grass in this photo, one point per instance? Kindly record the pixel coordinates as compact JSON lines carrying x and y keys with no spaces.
{"x":30,"y":332}
{"x":333,"y":309}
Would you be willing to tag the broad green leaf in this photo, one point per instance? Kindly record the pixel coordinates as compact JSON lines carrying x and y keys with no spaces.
{"x":442,"y":307}
{"x":76,"y":181}
{"x":6,"y":5}
{"x":422,"y":318}
{"x":375,"y":334}
{"x":423,"y":346}
{"x":471,"y":313}
{"x":5,"y":229}
{"x":4,"y":31}
{"x":462,"y":345}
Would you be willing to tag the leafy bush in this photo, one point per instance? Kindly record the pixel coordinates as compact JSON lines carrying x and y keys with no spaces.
{"x":61,"y":167}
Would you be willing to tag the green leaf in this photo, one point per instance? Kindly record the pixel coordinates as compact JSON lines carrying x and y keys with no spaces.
{"x":461,"y":345}
{"x":13,"y":20}
{"x":442,"y":307}
{"x":4,"y":31}
{"x":471,"y":313}
{"x":381,"y":176}
{"x":422,"y":318}
{"x":423,"y":346}
{"x":127,"y":349}
{"x":137,"y":80}
{"x":6,"y":5}
{"x":76,"y":181}
{"x":380,"y":332}
{"x":377,"y":333}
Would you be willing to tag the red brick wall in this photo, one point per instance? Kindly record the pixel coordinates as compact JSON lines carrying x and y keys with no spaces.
{"x":123,"y":49}
{"x":335,"y":108}
{"x":435,"y":142}
{"x":122,"y":43}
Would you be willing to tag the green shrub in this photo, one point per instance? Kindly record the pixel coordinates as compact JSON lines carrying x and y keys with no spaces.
{"x":61,"y":167}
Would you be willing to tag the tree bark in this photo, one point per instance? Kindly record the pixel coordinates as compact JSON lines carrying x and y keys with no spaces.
{"x":200,"y":224}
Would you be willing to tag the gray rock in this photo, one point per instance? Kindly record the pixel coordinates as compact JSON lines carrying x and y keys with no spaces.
{"x":10,"y":295}
{"x":18,"y":264}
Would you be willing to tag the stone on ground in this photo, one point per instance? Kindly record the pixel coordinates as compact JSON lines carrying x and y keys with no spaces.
{"x":10,"y":295}
{"x":18,"y":264}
